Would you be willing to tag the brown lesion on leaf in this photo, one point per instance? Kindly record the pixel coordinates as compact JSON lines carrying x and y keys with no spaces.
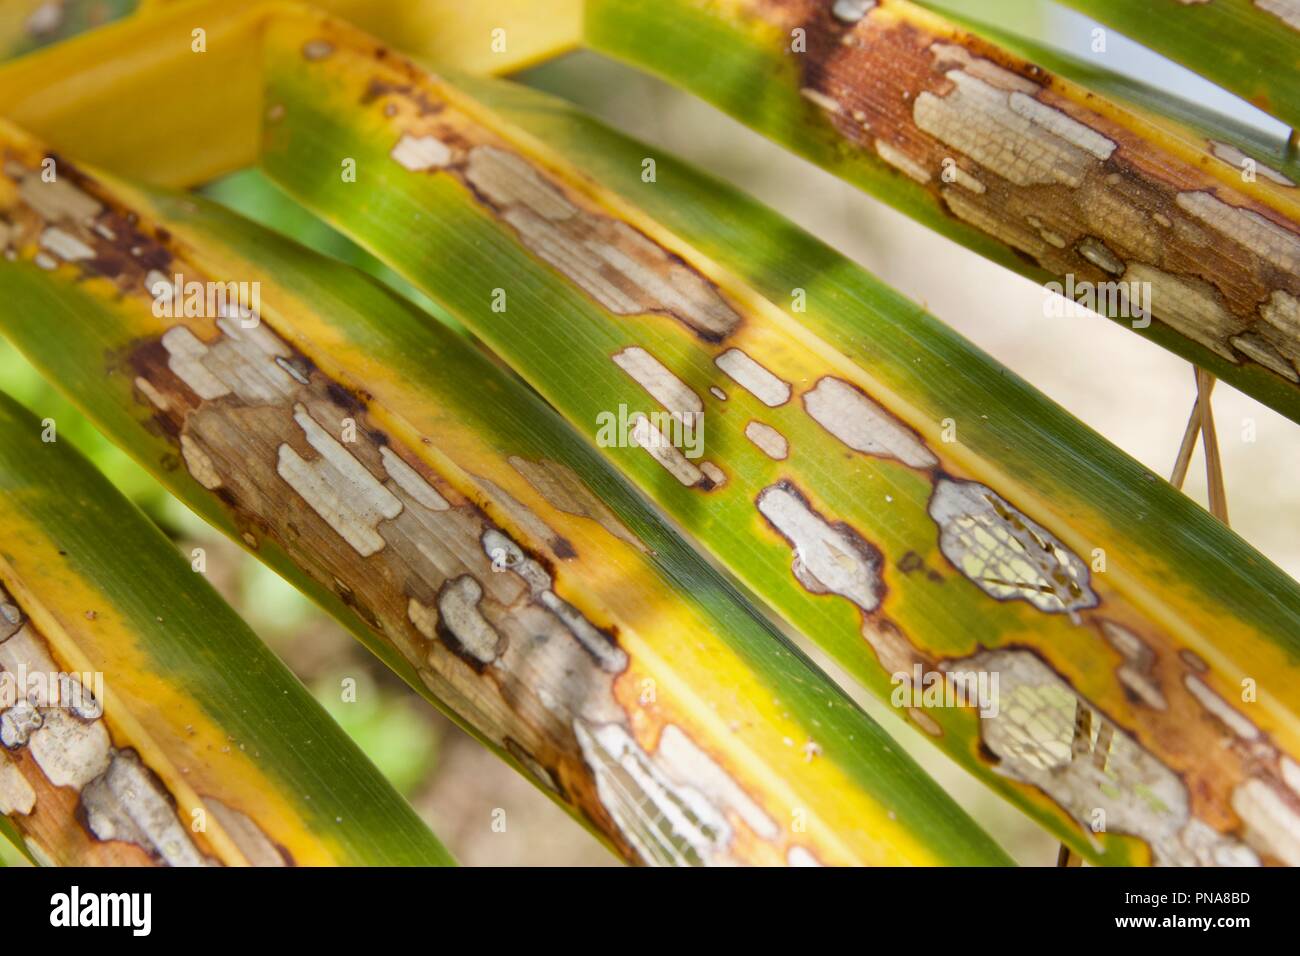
{"x":1000,"y":148}
{"x":1043,"y":733}
{"x":1232,"y":804}
{"x":911,"y":563}
{"x":455,"y":573}
{"x":618,"y":266}
{"x":295,"y":459}
{"x":66,"y":783}
{"x":54,"y":216}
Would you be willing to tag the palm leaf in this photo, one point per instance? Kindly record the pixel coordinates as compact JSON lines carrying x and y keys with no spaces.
{"x":928,"y":512}
{"x":1231,"y":139}
{"x":465,"y":535}
{"x":1043,"y":176}
{"x":1251,"y":47}
{"x":1010,"y":548}
{"x":176,"y":736}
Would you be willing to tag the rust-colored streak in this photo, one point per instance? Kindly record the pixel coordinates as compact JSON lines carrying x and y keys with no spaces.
{"x":1066,"y":188}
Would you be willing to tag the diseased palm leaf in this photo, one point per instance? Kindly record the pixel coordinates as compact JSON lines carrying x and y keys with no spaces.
{"x":460,"y":530}
{"x":1042,"y":175}
{"x":1027,"y":168}
{"x":925,"y":517}
{"x":828,"y":483}
{"x":143,"y":722}
{"x":1251,"y":47}
{"x":1232,"y":140}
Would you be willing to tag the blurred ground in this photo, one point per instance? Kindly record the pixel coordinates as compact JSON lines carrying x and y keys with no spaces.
{"x":1132,"y":392}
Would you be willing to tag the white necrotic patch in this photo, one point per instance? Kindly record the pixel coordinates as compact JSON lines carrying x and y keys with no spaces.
{"x":828,"y":558}
{"x":1052,"y":238}
{"x":1290,"y":774}
{"x":458,"y":610}
{"x":338,"y":487}
{"x":668,"y":822}
{"x":246,"y":834}
{"x":902,"y":161}
{"x":650,"y":438}
{"x":23,"y":651}
{"x":1260,"y":350}
{"x":45,"y":19}
{"x":663,"y":284}
{"x":244,"y":359}
{"x":1191,"y":306}
{"x":317,"y":49}
{"x":418,"y":153}
{"x":1053,"y":120}
{"x":799,"y":856}
{"x":818,"y":98}
{"x":11,"y":617}
{"x":851,"y":11}
{"x":848,"y":414}
{"x":156,"y":398}
{"x":524,"y":517}
{"x":1234,"y":157}
{"x":509,"y":180}
{"x":199,"y":463}
{"x":683,"y":759}
{"x":70,"y":752}
{"x":768,"y":440}
{"x":185,"y":354}
{"x":754,"y":378}
{"x":1262,"y":236}
{"x":1282,"y":312}
{"x":1220,"y":709}
{"x":713,"y":473}
{"x":1288,"y":11}
{"x":240,"y":361}
{"x":616,"y":265}
{"x":411,"y":481}
{"x":953,"y":55}
{"x":65,"y":245}
{"x":1035,"y":737}
{"x":16,"y":794}
{"x":57,"y":200}
{"x":1010,"y":133}
{"x":652,"y":375}
{"x":1271,"y":818}
{"x":1006,"y":554}
{"x":1136,"y":673}
{"x":966,"y":181}
{"x":1099,"y":254}
{"x":18,"y":723}
{"x":127,"y":802}
{"x":608,"y":656}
